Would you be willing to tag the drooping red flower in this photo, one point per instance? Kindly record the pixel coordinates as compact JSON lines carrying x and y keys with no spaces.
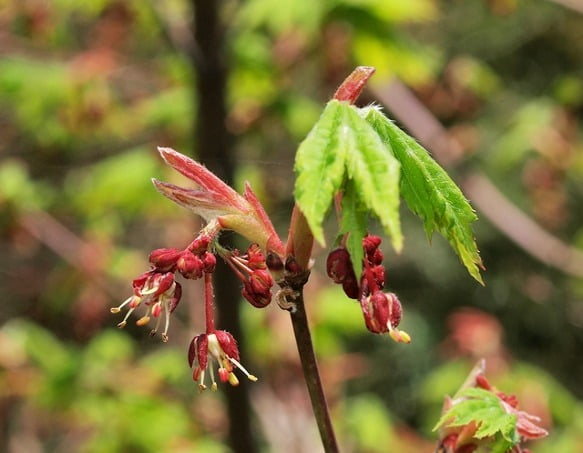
{"x":221,"y":347}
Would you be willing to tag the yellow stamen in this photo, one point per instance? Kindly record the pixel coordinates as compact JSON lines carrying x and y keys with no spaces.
{"x":143,"y":321}
{"x":233,"y":379}
{"x":400,"y":336}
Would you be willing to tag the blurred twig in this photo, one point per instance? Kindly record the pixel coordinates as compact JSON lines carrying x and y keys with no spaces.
{"x":496,"y":207}
{"x":66,"y":244}
{"x":575,"y":5}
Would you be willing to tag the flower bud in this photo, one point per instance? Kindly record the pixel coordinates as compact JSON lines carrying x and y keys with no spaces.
{"x":339,"y":266}
{"x":370,"y":243}
{"x":351,"y":288}
{"x":209,"y":262}
{"x":164,"y":260}
{"x":257,"y":299}
{"x":200,"y":244}
{"x":190,"y":266}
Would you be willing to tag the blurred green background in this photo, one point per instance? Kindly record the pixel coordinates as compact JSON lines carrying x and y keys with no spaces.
{"x":89,"y":89}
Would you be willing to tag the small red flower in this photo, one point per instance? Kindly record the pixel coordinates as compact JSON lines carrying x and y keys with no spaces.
{"x":251,"y":269}
{"x":222,"y":347}
{"x":159,"y":293}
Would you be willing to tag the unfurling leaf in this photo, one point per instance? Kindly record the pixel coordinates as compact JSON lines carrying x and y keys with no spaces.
{"x":429,"y":192}
{"x":343,"y":148}
{"x":483,"y":410}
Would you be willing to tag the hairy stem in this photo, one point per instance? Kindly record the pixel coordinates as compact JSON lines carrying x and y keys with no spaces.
{"x":208,"y":303}
{"x":311,"y":374}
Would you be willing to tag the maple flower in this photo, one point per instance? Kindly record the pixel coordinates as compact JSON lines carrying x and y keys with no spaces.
{"x":159,"y":293}
{"x":221,"y":347}
{"x":251,"y":269}
{"x":219,"y":204}
{"x":382,"y":313}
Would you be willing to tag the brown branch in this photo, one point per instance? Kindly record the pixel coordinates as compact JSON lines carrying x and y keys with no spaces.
{"x":311,"y":374}
{"x":497,"y":208}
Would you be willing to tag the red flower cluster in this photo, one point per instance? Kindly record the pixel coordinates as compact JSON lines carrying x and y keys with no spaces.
{"x":251,"y":269}
{"x":223,"y":209}
{"x":192,"y":262}
{"x":382,"y":311}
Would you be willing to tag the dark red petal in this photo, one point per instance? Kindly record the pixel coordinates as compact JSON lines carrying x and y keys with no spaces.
{"x":165,"y":281}
{"x":228,"y":343}
{"x":175,"y":297}
{"x":139,"y":282}
{"x":191,"y":352}
{"x":202,"y":349}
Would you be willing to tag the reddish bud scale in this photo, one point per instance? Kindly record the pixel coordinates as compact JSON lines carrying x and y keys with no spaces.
{"x":354,"y":84}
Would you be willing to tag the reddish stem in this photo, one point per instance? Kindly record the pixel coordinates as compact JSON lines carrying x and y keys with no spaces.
{"x":208,"y":303}
{"x":353,"y":85}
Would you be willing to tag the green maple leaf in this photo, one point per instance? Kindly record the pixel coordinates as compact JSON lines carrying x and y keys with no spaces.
{"x":483,"y":408}
{"x":343,"y":149}
{"x":429,"y":192}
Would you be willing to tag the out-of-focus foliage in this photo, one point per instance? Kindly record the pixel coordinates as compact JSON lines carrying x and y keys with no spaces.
{"x":89,"y":89}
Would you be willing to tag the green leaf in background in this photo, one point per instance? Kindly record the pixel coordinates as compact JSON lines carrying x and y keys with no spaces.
{"x":483,"y":408}
{"x":430,"y":193}
{"x":354,"y":221}
{"x":341,"y":147}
